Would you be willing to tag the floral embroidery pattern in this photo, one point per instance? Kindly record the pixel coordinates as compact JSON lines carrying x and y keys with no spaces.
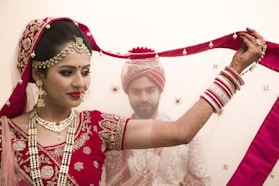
{"x":86,"y":150}
{"x":96,"y":164}
{"x":19,"y":145}
{"x":113,"y":128}
{"x":79,"y":166}
{"x":97,"y":132}
{"x":47,"y":172}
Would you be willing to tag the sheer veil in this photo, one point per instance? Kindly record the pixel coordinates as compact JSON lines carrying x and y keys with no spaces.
{"x":187,"y":75}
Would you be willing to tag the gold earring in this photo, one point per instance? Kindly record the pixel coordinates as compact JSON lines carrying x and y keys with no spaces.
{"x":84,"y":95}
{"x":40,"y":92}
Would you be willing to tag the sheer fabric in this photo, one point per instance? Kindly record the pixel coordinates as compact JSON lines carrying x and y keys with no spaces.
{"x":225,"y":42}
{"x":178,"y":165}
{"x":17,"y":103}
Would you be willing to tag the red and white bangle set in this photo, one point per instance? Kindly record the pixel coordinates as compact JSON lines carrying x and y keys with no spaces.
{"x":223,"y":88}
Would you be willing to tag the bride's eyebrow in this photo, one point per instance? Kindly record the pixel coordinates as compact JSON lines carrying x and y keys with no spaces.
{"x":75,"y":67}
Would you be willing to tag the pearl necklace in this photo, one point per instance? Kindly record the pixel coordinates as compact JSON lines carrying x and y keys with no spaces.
{"x":56,"y":127}
{"x":34,"y":152}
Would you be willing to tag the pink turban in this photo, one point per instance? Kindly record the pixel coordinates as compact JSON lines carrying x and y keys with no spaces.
{"x":148,"y":67}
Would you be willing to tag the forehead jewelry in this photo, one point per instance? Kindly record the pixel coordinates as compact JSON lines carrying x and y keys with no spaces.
{"x":77,"y":46}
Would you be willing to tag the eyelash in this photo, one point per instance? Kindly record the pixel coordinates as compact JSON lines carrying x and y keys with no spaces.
{"x":85,"y":73}
{"x":70,"y":72}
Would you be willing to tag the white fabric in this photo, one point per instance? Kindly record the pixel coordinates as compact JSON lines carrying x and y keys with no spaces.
{"x":178,"y":165}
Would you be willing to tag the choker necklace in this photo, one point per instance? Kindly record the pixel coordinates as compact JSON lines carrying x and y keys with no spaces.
{"x":56,"y":127}
{"x":34,"y":152}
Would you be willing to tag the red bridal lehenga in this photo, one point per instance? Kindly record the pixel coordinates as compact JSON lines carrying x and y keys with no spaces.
{"x":96,"y":132}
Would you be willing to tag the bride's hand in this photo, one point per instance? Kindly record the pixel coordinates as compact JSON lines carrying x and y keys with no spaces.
{"x":252,"y":49}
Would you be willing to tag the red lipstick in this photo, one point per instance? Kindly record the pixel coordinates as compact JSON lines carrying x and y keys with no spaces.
{"x":75,"y":95}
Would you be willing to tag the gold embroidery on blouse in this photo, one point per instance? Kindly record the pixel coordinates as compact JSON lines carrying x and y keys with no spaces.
{"x":86,"y":129}
{"x":96,"y":164}
{"x":111,"y":133}
{"x":113,"y":128}
{"x":95,"y":129}
{"x":87,"y":150}
{"x":18,"y":145}
{"x":47,"y":172}
{"x":78,"y":166}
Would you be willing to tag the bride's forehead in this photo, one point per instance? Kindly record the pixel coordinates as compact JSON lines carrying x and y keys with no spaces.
{"x":76,"y":59}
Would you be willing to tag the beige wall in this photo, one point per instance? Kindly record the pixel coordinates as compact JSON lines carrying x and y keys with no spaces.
{"x":123,"y":24}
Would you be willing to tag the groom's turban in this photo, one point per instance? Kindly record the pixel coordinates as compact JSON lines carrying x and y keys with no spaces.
{"x":137,"y":68}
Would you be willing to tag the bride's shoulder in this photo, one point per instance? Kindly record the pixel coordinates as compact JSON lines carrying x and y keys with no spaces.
{"x":22,"y":120}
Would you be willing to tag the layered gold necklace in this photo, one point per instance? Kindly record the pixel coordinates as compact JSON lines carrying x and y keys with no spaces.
{"x":34,"y":152}
{"x":56,"y":127}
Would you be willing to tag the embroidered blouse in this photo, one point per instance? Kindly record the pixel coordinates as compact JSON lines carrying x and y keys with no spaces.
{"x":96,"y":133}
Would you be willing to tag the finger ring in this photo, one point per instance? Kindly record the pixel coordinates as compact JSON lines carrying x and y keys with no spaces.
{"x":258,"y":42}
{"x":264,"y":48}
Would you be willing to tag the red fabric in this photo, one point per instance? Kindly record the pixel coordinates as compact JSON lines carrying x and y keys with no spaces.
{"x":122,"y":144}
{"x":92,"y":139}
{"x":262,"y":154}
{"x":258,"y":153}
{"x":17,"y":99}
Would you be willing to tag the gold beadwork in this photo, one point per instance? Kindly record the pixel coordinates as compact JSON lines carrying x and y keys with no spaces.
{"x":34,"y":153}
{"x":41,"y":92}
{"x":56,"y":127}
{"x":77,"y":46}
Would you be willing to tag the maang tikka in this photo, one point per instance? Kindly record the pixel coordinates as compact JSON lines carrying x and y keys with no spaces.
{"x":40,"y":92}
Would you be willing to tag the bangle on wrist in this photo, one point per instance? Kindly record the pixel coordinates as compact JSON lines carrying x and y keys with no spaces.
{"x":235,"y":74}
{"x":222,"y":89}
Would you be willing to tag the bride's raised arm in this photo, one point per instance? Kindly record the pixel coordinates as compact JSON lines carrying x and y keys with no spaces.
{"x":155,"y":133}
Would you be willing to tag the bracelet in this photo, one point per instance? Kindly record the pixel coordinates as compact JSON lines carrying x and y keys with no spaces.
{"x":222,"y":89}
{"x":222,"y":94}
{"x":235,"y":74}
{"x":253,"y":65}
{"x":212,"y":103}
{"x":231,"y":79}
{"x":226,"y":82}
